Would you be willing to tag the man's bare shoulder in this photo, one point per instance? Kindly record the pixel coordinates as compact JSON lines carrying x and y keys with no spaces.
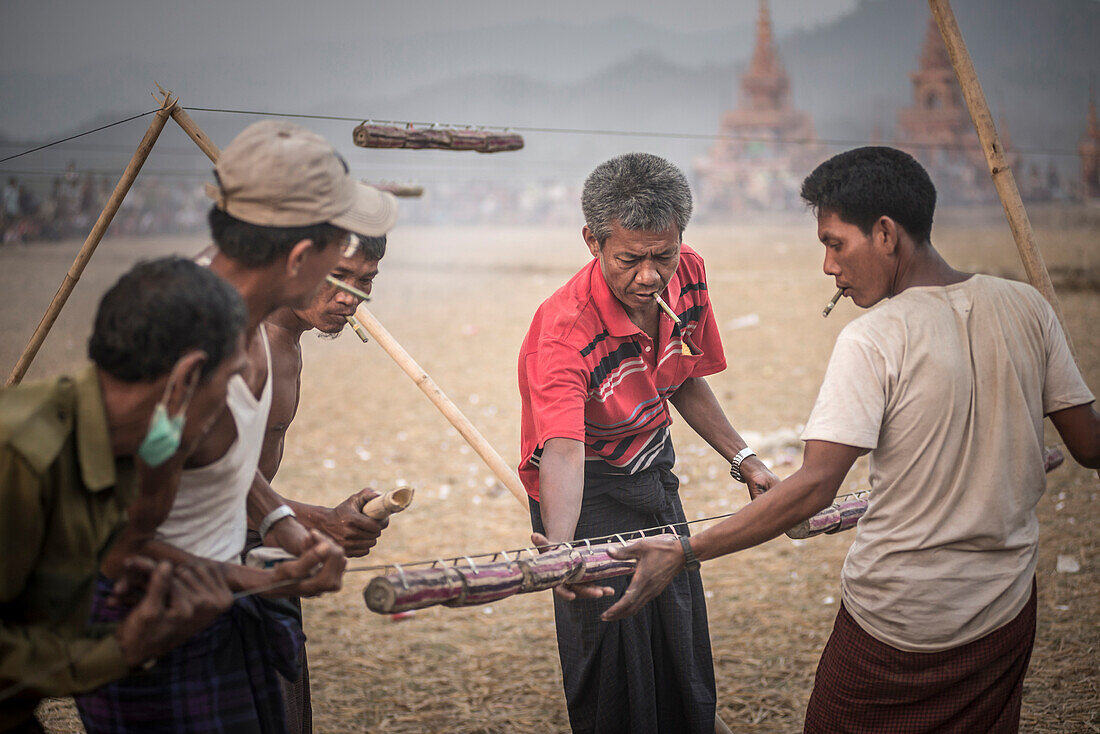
{"x":286,"y":349}
{"x":286,"y":371}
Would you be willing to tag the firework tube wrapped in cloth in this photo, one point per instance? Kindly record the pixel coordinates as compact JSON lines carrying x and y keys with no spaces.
{"x":846,"y":511}
{"x":472,"y":584}
{"x":373,"y":135}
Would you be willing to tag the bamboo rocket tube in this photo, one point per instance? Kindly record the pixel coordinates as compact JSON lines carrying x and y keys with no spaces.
{"x":385,"y":505}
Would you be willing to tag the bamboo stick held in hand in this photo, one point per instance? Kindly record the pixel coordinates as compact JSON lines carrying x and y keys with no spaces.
{"x":387,"y":504}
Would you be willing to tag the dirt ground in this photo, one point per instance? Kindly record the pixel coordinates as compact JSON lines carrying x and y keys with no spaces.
{"x":460,"y":301}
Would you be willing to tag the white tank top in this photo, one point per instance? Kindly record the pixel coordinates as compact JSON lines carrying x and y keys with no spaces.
{"x":209,"y":518}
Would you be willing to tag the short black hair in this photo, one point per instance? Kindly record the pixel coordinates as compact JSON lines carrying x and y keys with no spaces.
{"x":255,"y":245}
{"x":372,"y":248}
{"x":864,"y":184}
{"x":160,"y":310}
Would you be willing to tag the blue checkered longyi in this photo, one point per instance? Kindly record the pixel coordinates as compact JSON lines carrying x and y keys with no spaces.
{"x":224,"y":679}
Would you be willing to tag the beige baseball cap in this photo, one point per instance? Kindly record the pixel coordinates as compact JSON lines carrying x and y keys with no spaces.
{"x":279,"y":174}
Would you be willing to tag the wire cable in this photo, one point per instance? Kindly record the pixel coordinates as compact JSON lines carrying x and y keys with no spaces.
{"x":78,"y":135}
{"x":976,"y":145}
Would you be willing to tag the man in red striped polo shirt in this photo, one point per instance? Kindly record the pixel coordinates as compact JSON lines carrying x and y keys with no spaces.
{"x":597,"y":370}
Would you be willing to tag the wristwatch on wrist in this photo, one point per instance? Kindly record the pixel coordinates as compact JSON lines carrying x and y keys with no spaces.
{"x":735,"y":465}
{"x":690,"y":561}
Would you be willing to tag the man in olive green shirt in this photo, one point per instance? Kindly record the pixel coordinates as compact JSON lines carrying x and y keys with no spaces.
{"x":167,"y":339}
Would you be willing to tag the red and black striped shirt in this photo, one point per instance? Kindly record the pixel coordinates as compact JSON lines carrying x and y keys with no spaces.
{"x":588,"y":373}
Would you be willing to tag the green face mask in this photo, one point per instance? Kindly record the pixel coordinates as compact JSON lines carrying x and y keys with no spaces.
{"x":165,"y":433}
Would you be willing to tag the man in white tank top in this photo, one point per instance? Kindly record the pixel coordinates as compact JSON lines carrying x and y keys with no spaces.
{"x":346,"y":524}
{"x":285,"y":209}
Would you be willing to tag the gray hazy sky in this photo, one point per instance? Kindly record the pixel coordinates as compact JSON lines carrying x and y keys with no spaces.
{"x":50,"y":36}
{"x":56,"y":36}
{"x":64,"y":63}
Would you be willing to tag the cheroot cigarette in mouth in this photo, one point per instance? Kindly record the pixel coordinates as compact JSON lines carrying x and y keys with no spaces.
{"x":357,"y":328}
{"x":836,"y":297}
{"x":691,"y":348}
{"x":665,"y":307}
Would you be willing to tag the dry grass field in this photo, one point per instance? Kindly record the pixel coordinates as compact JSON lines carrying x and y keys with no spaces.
{"x":460,"y":302}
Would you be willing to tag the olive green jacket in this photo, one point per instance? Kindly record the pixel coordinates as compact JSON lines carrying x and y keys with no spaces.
{"x":63,"y":499}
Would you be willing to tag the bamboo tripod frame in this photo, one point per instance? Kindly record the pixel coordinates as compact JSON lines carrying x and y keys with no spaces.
{"x":170,"y":108}
{"x":394,"y":349}
{"x":168,"y":104}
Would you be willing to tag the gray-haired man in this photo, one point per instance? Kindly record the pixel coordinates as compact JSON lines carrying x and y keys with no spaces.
{"x":596,"y":373}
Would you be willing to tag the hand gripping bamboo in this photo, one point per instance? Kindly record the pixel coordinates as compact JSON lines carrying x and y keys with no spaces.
{"x":387,"y":504}
{"x":845,"y":512}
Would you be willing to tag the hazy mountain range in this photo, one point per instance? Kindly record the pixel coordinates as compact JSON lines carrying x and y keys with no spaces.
{"x":1034,"y":59}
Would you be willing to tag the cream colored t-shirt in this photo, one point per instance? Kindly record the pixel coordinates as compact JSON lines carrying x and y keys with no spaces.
{"x":948,"y":387}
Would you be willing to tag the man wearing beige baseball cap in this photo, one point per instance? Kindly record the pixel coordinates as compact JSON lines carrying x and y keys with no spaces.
{"x":278,"y":174}
{"x":285,"y":209}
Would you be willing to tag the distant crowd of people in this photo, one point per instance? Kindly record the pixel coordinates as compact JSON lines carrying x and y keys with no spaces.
{"x":70,"y":204}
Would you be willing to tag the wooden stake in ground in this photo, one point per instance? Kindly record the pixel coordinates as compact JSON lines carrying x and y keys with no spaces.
{"x":999,"y":169}
{"x":94,"y":237}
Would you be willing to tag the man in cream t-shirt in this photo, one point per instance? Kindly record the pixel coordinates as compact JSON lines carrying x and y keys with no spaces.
{"x":945,"y":382}
{"x":947,"y":386}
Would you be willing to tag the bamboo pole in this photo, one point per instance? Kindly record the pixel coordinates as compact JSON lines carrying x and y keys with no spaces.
{"x":393,"y":348}
{"x":92,"y":241}
{"x":999,"y":169}
{"x":206,"y":145}
{"x":449,"y":410}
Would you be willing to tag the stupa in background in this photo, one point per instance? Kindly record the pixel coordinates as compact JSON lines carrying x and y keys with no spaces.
{"x":1089,"y":151}
{"x":937,"y":129}
{"x":767,"y":146}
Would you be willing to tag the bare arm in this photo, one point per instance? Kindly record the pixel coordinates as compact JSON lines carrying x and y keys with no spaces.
{"x":796,"y":498}
{"x":1079,"y":428}
{"x":355,"y":532}
{"x":158,"y":487}
{"x":346,"y":524}
{"x":561,"y":487}
{"x":695,"y":402}
{"x":262,"y":499}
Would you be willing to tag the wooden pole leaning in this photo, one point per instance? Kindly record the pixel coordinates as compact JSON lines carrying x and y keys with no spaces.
{"x":393,"y":348}
{"x":1003,"y":180}
{"x":449,"y":410}
{"x":92,"y":241}
{"x":206,"y":145}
